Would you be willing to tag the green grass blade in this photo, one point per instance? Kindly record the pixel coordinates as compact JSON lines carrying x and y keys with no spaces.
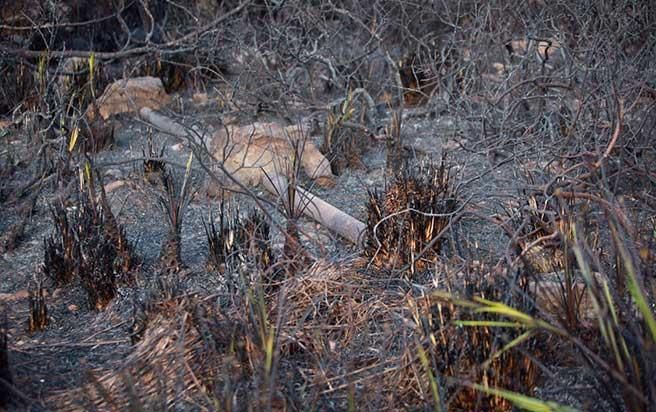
{"x":499,"y":308}
{"x":634,"y":285}
{"x":639,"y":297}
{"x":524,"y":402}
{"x":515,"y":342}
{"x":489,"y":323}
{"x":433,"y":382}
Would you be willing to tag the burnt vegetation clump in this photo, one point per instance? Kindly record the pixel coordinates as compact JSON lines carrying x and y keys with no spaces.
{"x":38,"y":319}
{"x":406,"y":220}
{"x":346,"y":137}
{"x":238,"y":242}
{"x":154,"y":168}
{"x":220,"y":238}
{"x":173,"y":202}
{"x":463,"y":352}
{"x":89,"y":245}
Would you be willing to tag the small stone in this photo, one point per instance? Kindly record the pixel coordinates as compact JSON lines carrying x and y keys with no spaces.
{"x":8,"y":297}
{"x":200,"y":98}
{"x":73,"y":308}
{"x":115,"y":174}
{"x":128,"y":95}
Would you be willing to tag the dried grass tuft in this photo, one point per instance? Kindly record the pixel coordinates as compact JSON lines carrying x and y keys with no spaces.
{"x":173,"y":365}
{"x":323,"y":307}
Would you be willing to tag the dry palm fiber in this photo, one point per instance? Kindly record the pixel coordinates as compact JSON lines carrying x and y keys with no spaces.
{"x":172,"y":365}
{"x":332,"y":299}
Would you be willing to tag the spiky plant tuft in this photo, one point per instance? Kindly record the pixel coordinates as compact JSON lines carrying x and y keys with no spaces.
{"x":154,"y":169}
{"x":89,"y":245}
{"x":256,"y":234}
{"x":294,"y":253}
{"x":174,"y":201}
{"x":406,"y":220}
{"x":61,"y":250}
{"x":238,"y":241}
{"x":221,"y":238}
{"x":463,"y":345}
{"x":97,"y":252}
{"x":125,"y":260}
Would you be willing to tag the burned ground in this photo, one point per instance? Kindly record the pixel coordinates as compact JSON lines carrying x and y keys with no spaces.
{"x":501,"y":155}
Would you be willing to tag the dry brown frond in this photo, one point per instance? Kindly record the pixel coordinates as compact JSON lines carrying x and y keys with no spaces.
{"x":174,"y":364}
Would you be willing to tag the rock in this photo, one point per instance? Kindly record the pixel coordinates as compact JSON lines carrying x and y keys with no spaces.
{"x":112,"y":186}
{"x":200,"y":99}
{"x":263,"y":153}
{"x":130,"y":95}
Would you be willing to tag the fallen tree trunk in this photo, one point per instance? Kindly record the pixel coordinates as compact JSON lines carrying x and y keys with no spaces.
{"x":261,"y":158}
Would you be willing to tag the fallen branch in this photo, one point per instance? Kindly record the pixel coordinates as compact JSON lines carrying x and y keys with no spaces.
{"x":164,"y":48}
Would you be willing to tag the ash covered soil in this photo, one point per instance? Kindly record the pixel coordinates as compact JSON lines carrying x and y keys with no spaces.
{"x":49,"y":362}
